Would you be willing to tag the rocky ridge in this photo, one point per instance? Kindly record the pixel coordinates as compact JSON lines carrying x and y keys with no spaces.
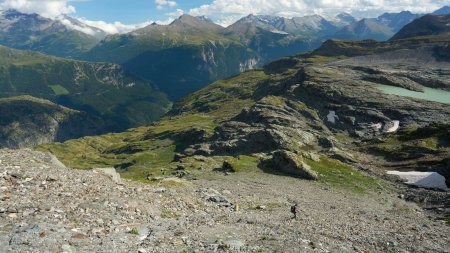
{"x":27,"y":122}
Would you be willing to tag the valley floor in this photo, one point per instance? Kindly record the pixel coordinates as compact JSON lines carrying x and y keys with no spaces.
{"x":45,"y":207}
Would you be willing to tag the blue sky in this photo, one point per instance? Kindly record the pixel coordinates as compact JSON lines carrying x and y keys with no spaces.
{"x":130,"y":11}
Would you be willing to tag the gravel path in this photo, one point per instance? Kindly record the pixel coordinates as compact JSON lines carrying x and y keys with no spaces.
{"x":45,"y":207}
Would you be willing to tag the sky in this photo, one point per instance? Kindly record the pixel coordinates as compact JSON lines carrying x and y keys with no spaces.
{"x":125,"y":15}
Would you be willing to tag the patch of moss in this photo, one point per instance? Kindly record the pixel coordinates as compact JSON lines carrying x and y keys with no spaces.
{"x":167,"y":213}
{"x":274,"y":100}
{"x":447,"y":219}
{"x":133,"y":231}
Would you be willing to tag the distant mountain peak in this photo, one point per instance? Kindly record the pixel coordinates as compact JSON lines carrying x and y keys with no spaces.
{"x":12,"y":13}
{"x":428,"y":25}
{"x":442,"y":11}
{"x":345,"y":18}
{"x":58,"y":36}
{"x":191,"y":21}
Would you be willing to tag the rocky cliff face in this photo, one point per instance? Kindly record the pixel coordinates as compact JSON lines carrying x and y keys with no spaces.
{"x":184,"y":69}
{"x":29,"y":122}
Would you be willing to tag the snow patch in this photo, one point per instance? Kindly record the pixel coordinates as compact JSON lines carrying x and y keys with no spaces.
{"x":395,"y":126}
{"x":422,"y":179}
{"x":332,"y":116}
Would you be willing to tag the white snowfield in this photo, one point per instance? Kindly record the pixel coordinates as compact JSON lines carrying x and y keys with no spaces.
{"x":422,"y":179}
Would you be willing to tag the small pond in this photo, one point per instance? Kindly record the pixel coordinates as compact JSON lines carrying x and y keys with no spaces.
{"x":430,"y":94}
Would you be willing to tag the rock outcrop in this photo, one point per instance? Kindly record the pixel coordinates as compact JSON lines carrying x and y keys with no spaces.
{"x":290,"y":163}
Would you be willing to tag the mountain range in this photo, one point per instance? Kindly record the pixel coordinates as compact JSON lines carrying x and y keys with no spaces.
{"x":191,"y":52}
{"x":34,"y":32}
{"x":160,"y":61}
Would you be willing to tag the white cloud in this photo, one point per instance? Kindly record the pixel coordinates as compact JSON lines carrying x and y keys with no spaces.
{"x":161,"y":4}
{"x":46,"y":8}
{"x":176,"y":13}
{"x":70,"y":25}
{"x":227,"y":11}
{"x":112,"y":28}
{"x":118,"y":27}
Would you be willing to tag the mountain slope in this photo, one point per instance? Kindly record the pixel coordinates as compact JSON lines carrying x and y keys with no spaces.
{"x":381,"y":28}
{"x":192,"y":52}
{"x":27,"y":121}
{"x":442,"y":11}
{"x":314,"y":26}
{"x":364,"y":29}
{"x":33,"y":32}
{"x":101,"y":89}
{"x":297,"y":116}
{"x":425,"y":26}
{"x":179,"y":58}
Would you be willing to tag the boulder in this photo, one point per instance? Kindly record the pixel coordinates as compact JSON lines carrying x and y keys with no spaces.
{"x":291,"y":163}
{"x":235,"y":245}
{"x":111,"y":173}
{"x":218,"y":199}
{"x":228,"y":167}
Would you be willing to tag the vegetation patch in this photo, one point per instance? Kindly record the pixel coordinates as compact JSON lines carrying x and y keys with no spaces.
{"x":168,"y":213}
{"x":274,"y":100}
{"x":59,"y":90}
{"x":133,"y":231}
{"x":149,"y":151}
{"x":447,"y":219}
{"x":322,"y":58}
{"x":338,"y":174}
{"x":415,"y":142}
{"x":243,"y":163}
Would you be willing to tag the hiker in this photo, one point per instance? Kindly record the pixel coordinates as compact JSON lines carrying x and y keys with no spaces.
{"x":294,"y":210}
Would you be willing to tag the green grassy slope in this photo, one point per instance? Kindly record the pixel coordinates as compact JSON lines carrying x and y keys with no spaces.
{"x":101,"y":89}
{"x":144,"y":151}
